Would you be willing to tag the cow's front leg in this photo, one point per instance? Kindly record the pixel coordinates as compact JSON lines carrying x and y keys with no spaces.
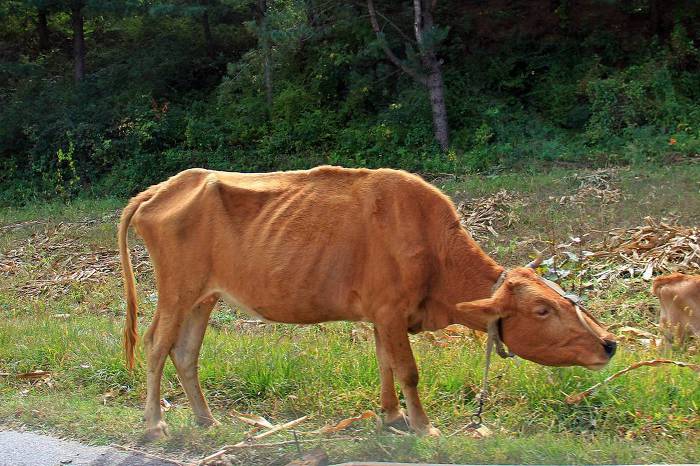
{"x":393,"y":335}
{"x":393,"y":415}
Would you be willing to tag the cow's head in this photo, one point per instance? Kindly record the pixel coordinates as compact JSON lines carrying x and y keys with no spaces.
{"x":539,"y":324}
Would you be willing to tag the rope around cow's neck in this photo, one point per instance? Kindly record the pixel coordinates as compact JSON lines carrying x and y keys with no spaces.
{"x":493,"y":341}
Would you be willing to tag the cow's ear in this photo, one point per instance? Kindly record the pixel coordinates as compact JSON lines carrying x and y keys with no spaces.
{"x":487,"y":307}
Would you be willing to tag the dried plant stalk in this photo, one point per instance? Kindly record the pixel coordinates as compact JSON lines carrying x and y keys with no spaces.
{"x":573,"y":399}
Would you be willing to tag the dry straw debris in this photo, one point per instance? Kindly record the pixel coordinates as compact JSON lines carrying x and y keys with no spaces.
{"x":452,"y":334}
{"x":56,"y":257}
{"x":597,"y":184}
{"x":655,"y":246}
{"x":345,"y":423}
{"x":479,"y":215}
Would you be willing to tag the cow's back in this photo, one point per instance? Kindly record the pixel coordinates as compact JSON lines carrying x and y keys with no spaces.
{"x":299,"y":246}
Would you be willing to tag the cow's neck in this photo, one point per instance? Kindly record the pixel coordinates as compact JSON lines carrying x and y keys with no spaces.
{"x":468,"y":274}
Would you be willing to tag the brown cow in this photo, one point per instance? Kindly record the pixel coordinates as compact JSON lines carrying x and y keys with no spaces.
{"x":380,"y":246}
{"x":679,"y":295}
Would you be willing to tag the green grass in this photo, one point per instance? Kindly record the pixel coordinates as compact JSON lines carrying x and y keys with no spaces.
{"x":77,"y":209}
{"x":329,"y":371}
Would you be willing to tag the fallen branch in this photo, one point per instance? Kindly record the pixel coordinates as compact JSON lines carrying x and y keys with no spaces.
{"x":247,"y":443}
{"x":573,"y":399}
{"x":272,"y":431}
{"x":294,"y":442}
{"x":33,"y":375}
{"x":229,"y":448}
{"x":397,"y":431}
{"x":387,"y":51}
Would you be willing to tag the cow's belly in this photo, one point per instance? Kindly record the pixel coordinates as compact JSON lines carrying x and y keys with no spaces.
{"x":237,"y":304}
{"x":296,"y":309}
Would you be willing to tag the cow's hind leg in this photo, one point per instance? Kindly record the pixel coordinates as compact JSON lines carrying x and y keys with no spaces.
{"x":393,"y":414}
{"x":185,"y":356}
{"x":158,"y":341}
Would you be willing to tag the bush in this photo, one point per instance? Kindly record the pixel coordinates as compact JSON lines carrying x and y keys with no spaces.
{"x":638,"y":96}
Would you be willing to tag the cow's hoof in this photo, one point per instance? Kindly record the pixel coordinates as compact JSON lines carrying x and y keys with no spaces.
{"x":207,"y":422}
{"x":397,"y":420}
{"x":428,"y":431}
{"x":156,"y":432}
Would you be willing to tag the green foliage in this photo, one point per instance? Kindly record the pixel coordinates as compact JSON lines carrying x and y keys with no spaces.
{"x":605,"y":82}
{"x":638,"y":96}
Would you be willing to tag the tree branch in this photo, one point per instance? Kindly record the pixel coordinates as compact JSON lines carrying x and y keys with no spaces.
{"x":390,"y":55}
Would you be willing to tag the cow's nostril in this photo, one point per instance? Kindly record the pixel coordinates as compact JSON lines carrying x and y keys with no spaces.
{"x":610,"y":347}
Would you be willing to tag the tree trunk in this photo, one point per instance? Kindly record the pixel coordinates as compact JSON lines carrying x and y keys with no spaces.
{"x":437,"y":104}
{"x":43,"y":30}
{"x":424,"y":22}
{"x":78,"y":42}
{"x":264,"y":43}
{"x":208,"y":39}
{"x":268,"y":78}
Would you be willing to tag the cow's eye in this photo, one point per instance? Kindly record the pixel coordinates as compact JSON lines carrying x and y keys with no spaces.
{"x":542,"y":312}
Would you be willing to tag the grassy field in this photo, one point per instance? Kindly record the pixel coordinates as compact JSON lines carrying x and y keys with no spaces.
{"x":57,"y":319}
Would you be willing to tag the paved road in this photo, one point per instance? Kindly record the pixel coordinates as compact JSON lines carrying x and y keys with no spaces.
{"x":30,"y":449}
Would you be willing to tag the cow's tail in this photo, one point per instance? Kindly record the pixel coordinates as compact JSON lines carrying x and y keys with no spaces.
{"x":130,"y":331}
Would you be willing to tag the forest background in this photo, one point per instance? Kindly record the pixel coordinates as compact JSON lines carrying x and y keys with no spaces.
{"x":103,"y":97}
